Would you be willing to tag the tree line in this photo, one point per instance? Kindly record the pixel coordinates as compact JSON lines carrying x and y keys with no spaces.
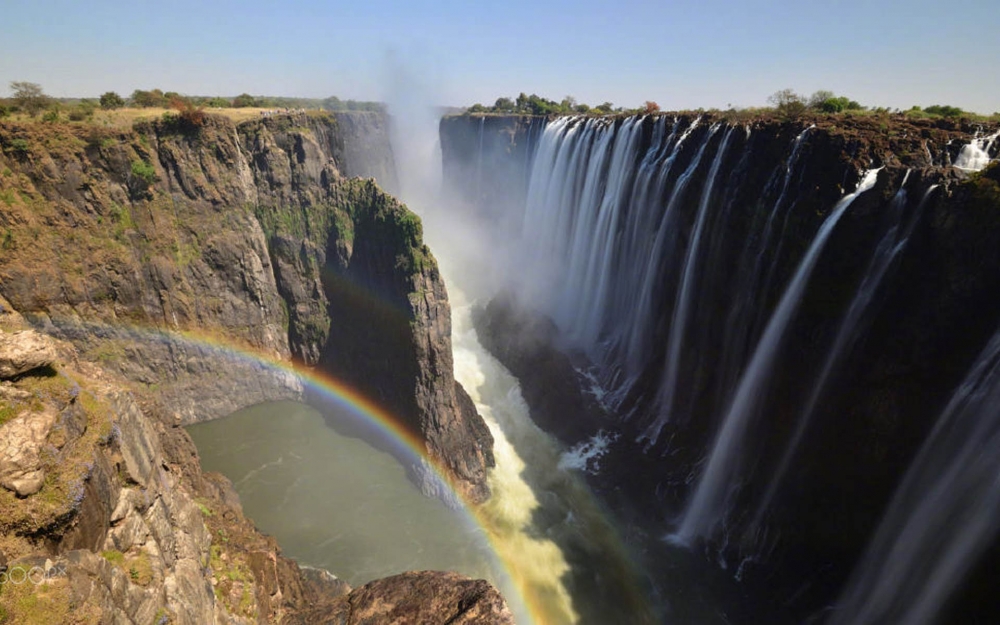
{"x":30,"y":98}
{"x":537,"y":105}
{"x":786,"y":103}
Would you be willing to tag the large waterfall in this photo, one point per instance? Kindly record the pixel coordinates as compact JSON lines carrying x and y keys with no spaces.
{"x":759,"y":306}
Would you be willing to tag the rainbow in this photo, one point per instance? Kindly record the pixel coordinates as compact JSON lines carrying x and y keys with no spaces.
{"x":526,"y":603}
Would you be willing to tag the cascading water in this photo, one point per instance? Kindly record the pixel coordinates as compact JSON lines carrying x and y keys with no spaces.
{"x":559,"y":547}
{"x":685,"y":296}
{"x":679,"y":257}
{"x":851,"y":329}
{"x":943,"y":514}
{"x":711,"y":495}
{"x":975,"y":156}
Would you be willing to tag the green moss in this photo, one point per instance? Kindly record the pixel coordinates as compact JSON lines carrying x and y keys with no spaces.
{"x":115,"y":557}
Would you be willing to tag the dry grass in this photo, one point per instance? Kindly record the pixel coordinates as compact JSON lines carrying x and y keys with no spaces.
{"x":125,"y":117}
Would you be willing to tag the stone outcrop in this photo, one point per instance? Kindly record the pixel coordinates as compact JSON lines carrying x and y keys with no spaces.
{"x":24,"y":351}
{"x":421,"y":598}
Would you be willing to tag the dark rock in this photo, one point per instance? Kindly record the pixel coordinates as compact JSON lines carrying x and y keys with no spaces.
{"x":421,"y":598}
{"x":527,"y":344}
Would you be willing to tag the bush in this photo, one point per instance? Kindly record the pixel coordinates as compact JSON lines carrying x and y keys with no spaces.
{"x":944,"y":110}
{"x":111,"y":100}
{"x":148,"y":99}
{"x":144,"y":171}
{"x":19,"y":146}
{"x":50,"y":116}
{"x":29,"y":97}
{"x":190,"y":115}
{"x":82,"y":111}
{"x":244,"y":100}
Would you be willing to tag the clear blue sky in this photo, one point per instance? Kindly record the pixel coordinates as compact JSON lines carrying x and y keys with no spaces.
{"x":687,"y":54}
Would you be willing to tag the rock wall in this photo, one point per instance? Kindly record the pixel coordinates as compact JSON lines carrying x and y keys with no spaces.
{"x":106,"y":517}
{"x":188,"y":258}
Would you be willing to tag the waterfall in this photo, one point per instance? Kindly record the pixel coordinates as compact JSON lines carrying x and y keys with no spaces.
{"x":852,"y":327}
{"x":593,"y":200}
{"x":944,"y":512}
{"x":685,"y":296}
{"x":739,"y":331}
{"x":708,"y":505}
{"x":975,"y":155}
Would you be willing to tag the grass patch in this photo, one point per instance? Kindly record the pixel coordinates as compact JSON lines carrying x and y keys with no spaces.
{"x":115,"y":557}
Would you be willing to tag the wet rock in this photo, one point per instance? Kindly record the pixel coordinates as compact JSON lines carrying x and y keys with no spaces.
{"x":24,"y":351}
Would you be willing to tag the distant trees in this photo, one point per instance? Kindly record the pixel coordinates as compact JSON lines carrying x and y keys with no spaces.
{"x":244,"y":100}
{"x":111,"y":100}
{"x":29,"y":97}
{"x":790,"y":105}
{"x":149,"y":99}
{"x":650,"y":107}
{"x":944,"y":110}
{"x":535,"y":104}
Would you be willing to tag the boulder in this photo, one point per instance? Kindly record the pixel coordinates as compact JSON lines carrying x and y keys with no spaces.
{"x":21,"y":441}
{"x":24,"y":351}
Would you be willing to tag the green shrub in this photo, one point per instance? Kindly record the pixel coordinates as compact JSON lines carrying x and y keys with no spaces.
{"x":944,"y":110}
{"x":144,"y":172}
{"x":19,"y":146}
{"x":111,"y":100}
{"x":50,"y":116}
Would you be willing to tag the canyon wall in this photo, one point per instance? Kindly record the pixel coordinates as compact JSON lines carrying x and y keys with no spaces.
{"x":181,"y":269}
{"x":774,"y":332}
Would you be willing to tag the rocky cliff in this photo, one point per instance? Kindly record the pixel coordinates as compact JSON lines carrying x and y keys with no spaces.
{"x":105,"y":517}
{"x":174,"y":265}
{"x":788,"y":530}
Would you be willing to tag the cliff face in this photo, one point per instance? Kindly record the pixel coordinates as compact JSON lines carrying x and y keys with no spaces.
{"x":116,"y":240}
{"x":145,"y":251}
{"x":105,"y":517}
{"x":913,"y":327}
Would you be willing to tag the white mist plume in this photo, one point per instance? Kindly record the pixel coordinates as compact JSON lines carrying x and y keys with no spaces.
{"x":414,"y":93}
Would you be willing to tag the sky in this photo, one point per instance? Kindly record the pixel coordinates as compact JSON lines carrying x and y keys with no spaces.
{"x":680,"y":54}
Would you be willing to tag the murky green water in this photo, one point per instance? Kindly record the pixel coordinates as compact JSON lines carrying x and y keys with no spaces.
{"x":333,"y":501}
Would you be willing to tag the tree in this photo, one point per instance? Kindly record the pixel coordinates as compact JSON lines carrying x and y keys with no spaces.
{"x":504,"y":105}
{"x":650,"y":107}
{"x":789,"y":104}
{"x":111,"y":101}
{"x":245,"y":100}
{"x":29,"y":97}
{"x":148,"y":99}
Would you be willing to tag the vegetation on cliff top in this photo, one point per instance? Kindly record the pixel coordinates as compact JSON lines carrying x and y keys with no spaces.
{"x":786,"y":104}
{"x":28,"y":100}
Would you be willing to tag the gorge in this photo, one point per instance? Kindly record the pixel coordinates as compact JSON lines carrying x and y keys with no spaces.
{"x":684,"y":368}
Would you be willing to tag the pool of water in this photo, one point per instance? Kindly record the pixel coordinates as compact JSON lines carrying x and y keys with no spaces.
{"x":334,"y":501}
